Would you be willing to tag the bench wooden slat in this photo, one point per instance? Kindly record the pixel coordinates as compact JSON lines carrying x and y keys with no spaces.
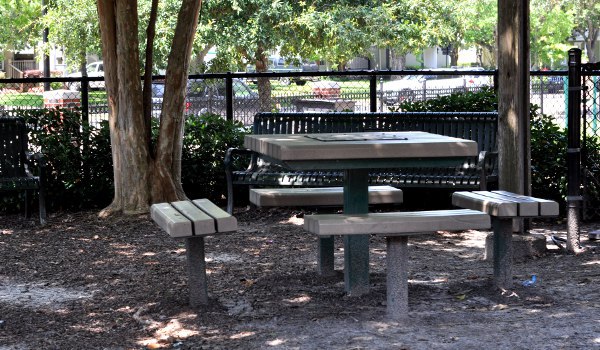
{"x":224,"y":222}
{"x":505,"y":204}
{"x":475,"y":201}
{"x":396,"y":223}
{"x":525,"y":206}
{"x":171,"y":220}
{"x":546,"y":207}
{"x":203,"y":223}
{"x":316,"y":196}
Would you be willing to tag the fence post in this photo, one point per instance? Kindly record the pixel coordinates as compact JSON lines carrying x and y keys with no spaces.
{"x":373,"y":92}
{"x":574,"y":197}
{"x":229,"y":96}
{"x":85,"y":101}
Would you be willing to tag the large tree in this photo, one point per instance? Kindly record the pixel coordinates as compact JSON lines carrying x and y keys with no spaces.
{"x":587,"y":19}
{"x":74,"y":26}
{"x":144,"y":173}
{"x":17,"y":20}
{"x":551,"y":26}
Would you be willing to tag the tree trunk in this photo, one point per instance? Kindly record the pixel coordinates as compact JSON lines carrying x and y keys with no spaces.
{"x":454,"y":56}
{"x":397,"y":60}
{"x":264,"y":84}
{"x":141,"y":176}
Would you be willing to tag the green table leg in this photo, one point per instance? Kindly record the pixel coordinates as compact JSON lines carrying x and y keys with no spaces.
{"x":356,"y":247}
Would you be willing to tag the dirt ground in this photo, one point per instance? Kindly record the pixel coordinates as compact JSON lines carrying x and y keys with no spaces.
{"x":81,"y":282}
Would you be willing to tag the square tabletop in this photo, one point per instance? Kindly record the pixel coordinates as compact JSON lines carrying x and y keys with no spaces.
{"x":360,"y":149}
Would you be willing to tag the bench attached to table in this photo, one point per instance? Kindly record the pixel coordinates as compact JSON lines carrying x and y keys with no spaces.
{"x":193,"y":220}
{"x":475,"y":173}
{"x":503,"y":207}
{"x":396,"y":227}
{"x":319,"y":196}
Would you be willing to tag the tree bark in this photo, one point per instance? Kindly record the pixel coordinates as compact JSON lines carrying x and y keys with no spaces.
{"x":141,"y":176}
{"x":264,"y":84}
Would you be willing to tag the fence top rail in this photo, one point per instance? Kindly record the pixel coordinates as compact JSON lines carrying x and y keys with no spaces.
{"x":351,"y":73}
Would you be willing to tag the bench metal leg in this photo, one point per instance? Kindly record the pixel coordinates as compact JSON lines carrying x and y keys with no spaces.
{"x":503,"y":252}
{"x":397,"y":278}
{"x":325,"y":263}
{"x":196,"y":266}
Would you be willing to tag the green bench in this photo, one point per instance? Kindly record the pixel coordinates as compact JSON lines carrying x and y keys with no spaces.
{"x":245,"y":168}
{"x":16,"y":163}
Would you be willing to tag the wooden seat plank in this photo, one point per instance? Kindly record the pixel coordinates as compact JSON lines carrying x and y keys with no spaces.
{"x":478,"y":201}
{"x":171,"y":220}
{"x":224,"y":221}
{"x":546,"y":207}
{"x":319,"y":196}
{"x":525,"y":206}
{"x":203,"y":224}
{"x":396,"y":223}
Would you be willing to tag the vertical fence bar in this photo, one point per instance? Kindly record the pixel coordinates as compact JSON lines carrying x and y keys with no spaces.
{"x":373,"y":92}
{"x":574,"y":197}
{"x":229,"y":96}
{"x":85,"y":100}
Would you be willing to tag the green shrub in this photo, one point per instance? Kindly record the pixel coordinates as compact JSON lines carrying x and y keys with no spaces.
{"x":79,"y":172}
{"x":72,"y":157}
{"x":548,"y":141}
{"x":484,"y":100}
{"x":207,"y":138}
{"x":57,"y":85}
{"x":548,"y":157}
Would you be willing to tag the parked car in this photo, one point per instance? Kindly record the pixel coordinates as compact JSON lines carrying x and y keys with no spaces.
{"x":158,"y":93}
{"x":411,"y":86}
{"x":545,"y":84}
{"x":95,"y":69}
{"x":208,"y":96}
{"x":280,"y":65}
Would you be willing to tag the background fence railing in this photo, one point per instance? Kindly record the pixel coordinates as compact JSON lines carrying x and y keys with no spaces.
{"x":239,"y":96}
{"x":335,"y":91}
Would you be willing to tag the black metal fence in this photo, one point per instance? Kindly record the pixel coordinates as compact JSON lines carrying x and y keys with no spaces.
{"x":584,"y":136}
{"x":237,"y":96}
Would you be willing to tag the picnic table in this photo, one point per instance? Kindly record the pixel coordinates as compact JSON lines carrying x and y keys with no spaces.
{"x":355,"y":154}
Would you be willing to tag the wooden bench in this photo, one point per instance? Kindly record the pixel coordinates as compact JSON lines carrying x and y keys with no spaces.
{"x":319,"y":196}
{"x":503,"y":207}
{"x":193,"y":220}
{"x":396,"y":227}
{"x":16,"y":162}
{"x":475,"y":173}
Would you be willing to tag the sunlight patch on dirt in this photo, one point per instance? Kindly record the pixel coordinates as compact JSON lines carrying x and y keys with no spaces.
{"x":37,"y":295}
{"x":223,"y":258}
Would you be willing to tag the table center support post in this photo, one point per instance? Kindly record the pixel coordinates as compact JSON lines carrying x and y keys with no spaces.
{"x":356,"y":247}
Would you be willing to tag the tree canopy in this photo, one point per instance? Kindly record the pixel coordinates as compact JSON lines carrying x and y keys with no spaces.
{"x":248,"y":31}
